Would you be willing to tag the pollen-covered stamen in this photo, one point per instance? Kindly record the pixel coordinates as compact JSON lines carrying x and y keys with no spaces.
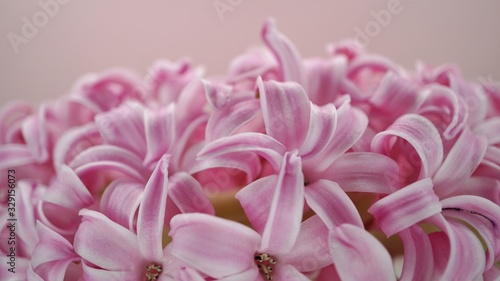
{"x":153,"y":272}
{"x":265,"y":264}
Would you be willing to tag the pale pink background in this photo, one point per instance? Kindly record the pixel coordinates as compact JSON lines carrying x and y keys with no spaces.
{"x":87,"y":36}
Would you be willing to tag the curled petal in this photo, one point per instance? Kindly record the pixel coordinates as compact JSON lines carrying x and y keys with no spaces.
{"x":418,"y":260}
{"x":160,"y":133}
{"x":14,"y":155}
{"x":406,"y":207}
{"x":324,"y":78}
{"x":359,"y":256}
{"x":286,"y":111}
{"x":285,"y":215}
{"x":214,"y":246}
{"x":490,"y":128}
{"x":188,"y":194}
{"x":73,"y":142}
{"x":322,"y":123}
{"x":68,"y":190}
{"x":247,"y":162}
{"x":395,"y":95}
{"x":35,"y":133}
{"x":217,"y":94}
{"x":332,"y":204}
{"x":423,"y":137}
{"x":121,"y":200}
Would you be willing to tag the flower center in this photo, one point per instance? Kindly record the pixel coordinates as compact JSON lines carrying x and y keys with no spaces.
{"x":265,"y":264}
{"x":153,"y":272}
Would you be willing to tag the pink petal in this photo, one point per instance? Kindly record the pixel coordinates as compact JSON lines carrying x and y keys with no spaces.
{"x":406,"y":207}
{"x":482,"y":215}
{"x":73,"y":142}
{"x":247,"y":162}
{"x":217,"y":94}
{"x":490,"y":128}
{"x":256,"y":200}
{"x":286,"y":111}
{"x":488,"y":188}
{"x":288,"y":272}
{"x":439,"y":100}
{"x":423,"y":137}
{"x":285,"y":52}
{"x":263,"y":145}
{"x":351,"y":125}
{"x":395,"y":95}
{"x":359,"y":256}
{"x":283,"y":223}
{"x":11,"y":115}
{"x":364,"y":172}
{"x":188,"y":195}
{"x":90,"y":273}
{"x":68,"y":190}
{"x":35,"y":133}
{"x":464,"y":157}
{"x":252,"y":274}
{"x":105,"y":243}
{"x":418,"y":260}
{"x":152,"y":212}
{"x":185,"y":136}
{"x":124,"y":127}
{"x":322,"y":123}
{"x":332,"y":204}
{"x":188,"y":274}
{"x":120,"y":201}
{"x":214,"y":246}
{"x":324,"y":78}
{"x":233,"y":115}
{"x":14,"y":155}
{"x":160,"y":133}
{"x":310,"y":253}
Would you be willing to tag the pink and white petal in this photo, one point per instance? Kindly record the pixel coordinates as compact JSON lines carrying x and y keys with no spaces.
{"x":74,"y":141}
{"x":256,"y":200}
{"x":55,"y":270}
{"x":493,"y":274}
{"x":324,"y":78}
{"x":406,"y":207}
{"x":15,"y":155}
{"x":105,"y":243}
{"x":351,"y":124}
{"x":490,"y":128}
{"x":252,"y":274}
{"x":310,"y":253}
{"x":462,"y":160}
{"x":287,"y":207}
{"x":364,"y":172}
{"x":188,"y":195}
{"x":124,"y":127}
{"x":395,"y":95}
{"x":421,"y":134}
{"x":285,"y":52}
{"x":247,"y":162}
{"x":483,"y":215}
{"x":192,"y":132}
{"x":35,"y":134}
{"x":286,"y":110}
{"x":234,"y":114}
{"x":287,"y":272}
{"x":187,"y":274}
{"x":120,"y":201}
{"x":217,"y":94}
{"x":441,"y":100}
{"x":104,"y":157}
{"x":322,"y":123}
{"x":90,"y":273}
{"x":68,"y":190}
{"x":30,"y":275}
{"x":151,"y":214}
{"x":458,"y":253}
{"x":486,"y":187}
{"x":52,"y":247}
{"x":160,"y":133}
{"x":212,"y":245}
{"x":359,"y":256}
{"x":10,"y":114}
{"x":418,"y":260}
{"x":264,"y":145}
{"x":332,"y":204}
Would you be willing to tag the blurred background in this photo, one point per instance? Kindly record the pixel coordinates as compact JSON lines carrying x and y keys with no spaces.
{"x":48,"y":44}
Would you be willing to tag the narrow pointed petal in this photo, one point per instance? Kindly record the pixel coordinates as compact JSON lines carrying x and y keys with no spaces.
{"x":160,"y":133}
{"x":68,"y":191}
{"x":214,"y":246}
{"x":121,"y":200}
{"x":188,"y":195}
{"x":248,"y":162}
{"x":263,"y":145}
{"x":332,"y":204}
{"x":283,"y":223}
{"x":217,"y":94}
{"x":406,"y":207}
{"x":256,"y":200}
{"x":483,"y":215}
{"x":322,"y":123}
{"x":14,"y":155}
{"x":310,"y":253}
{"x":105,"y":243}
{"x":364,"y":172}
{"x":423,"y":137}
{"x":152,"y":212}
{"x":359,"y":256}
{"x":288,"y":272}
{"x":351,"y":124}
{"x":464,"y":157}
{"x":285,"y":52}
{"x":286,"y":111}
{"x":418,"y":260}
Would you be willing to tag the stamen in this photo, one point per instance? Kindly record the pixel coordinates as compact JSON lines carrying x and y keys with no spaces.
{"x":153,"y":272}
{"x":265,"y":264}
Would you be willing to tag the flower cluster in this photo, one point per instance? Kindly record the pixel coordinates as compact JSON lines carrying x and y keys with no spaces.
{"x":283,"y":169}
